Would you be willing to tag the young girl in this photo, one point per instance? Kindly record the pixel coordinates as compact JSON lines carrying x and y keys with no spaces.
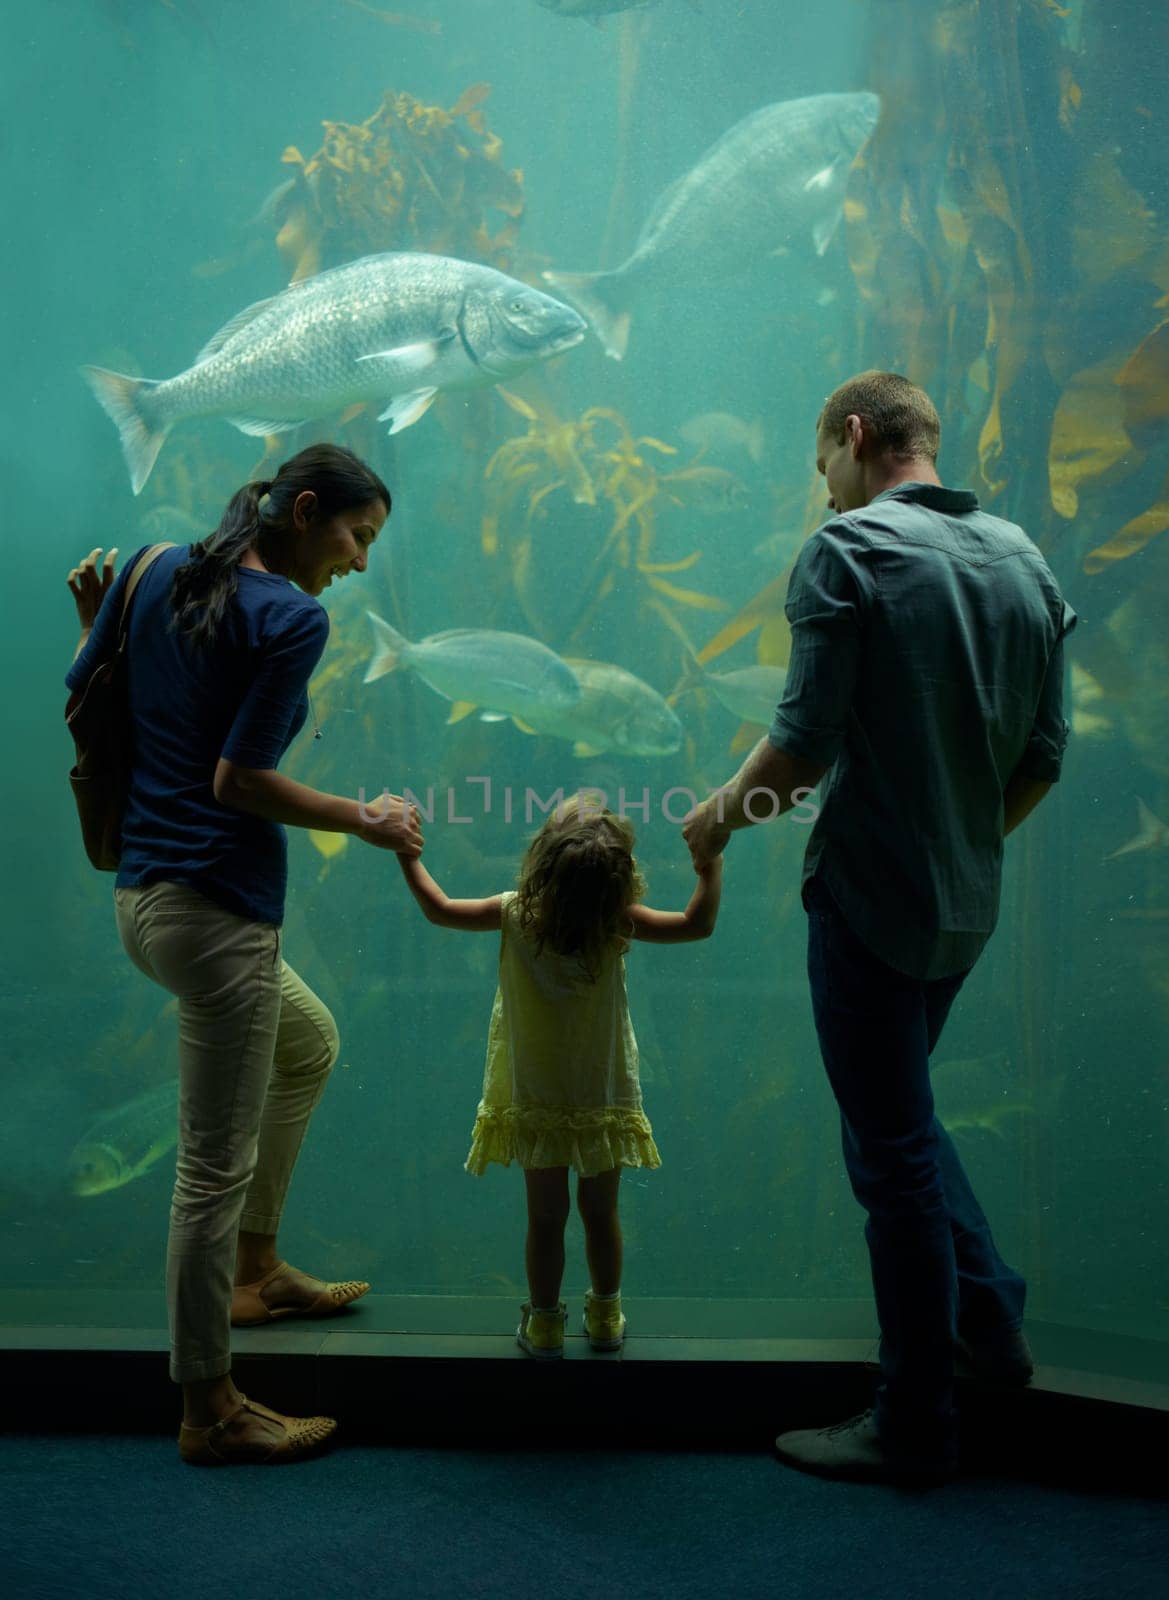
{"x":560,"y":1088}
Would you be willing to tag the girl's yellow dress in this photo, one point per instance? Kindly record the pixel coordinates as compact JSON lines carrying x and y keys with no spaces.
{"x":560,"y":1087}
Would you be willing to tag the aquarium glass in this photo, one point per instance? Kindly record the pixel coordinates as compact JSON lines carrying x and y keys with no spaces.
{"x":1002,"y":237}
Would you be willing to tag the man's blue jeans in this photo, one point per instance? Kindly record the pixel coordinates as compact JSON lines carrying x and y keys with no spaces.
{"x":936,"y":1271}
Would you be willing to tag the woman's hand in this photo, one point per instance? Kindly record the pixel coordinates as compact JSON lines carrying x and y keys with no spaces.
{"x":390,"y":824}
{"x":89,"y":587}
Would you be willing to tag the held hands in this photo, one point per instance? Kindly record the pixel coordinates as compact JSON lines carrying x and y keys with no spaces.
{"x":389,"y":823}
{"x":705,"y":835}
{"x":89,"y":587}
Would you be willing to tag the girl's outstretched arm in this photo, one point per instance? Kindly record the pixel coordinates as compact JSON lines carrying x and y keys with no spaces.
{"x":473,"y":916}
{"x":677,"y":927}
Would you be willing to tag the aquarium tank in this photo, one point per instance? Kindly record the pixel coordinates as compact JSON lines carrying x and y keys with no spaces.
{"x":736,"y":204}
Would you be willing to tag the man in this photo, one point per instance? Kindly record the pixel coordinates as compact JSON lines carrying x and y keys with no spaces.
{"x":926,"y":682}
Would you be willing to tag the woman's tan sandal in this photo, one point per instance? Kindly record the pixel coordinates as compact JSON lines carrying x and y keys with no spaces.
{"x":222,"y":1446}
{"x":249,"y":1309}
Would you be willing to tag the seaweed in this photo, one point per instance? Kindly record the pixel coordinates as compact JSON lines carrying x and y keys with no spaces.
{"x":592,"y":481}
{"x":410,"y":177}
{"x":979,"y":289}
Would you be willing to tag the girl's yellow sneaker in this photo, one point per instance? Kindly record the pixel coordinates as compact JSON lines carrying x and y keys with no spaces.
{"x":541,"y":1333}
{"x":603,"y":1321}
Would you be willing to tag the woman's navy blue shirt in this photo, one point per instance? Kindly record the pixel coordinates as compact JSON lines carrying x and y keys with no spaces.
{"x":244,"y":699}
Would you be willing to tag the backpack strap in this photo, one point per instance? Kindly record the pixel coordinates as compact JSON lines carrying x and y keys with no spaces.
{"x":146,"y":559}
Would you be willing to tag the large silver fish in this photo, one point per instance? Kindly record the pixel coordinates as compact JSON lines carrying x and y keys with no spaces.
{"x":776,"y":176}
{"x":616,"y":711}
{"x":500,"y":674}
{"x":392,"y":328}
{"x":126,"y":1142}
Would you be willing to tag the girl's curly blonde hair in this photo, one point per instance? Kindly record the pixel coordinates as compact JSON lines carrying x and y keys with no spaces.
{"x":576,"y":883}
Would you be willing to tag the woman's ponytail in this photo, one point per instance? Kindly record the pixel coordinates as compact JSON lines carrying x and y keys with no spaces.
{"x":205,"y":585}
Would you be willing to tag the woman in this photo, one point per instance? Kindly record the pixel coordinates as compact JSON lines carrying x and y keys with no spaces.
{"x":224,"y":636}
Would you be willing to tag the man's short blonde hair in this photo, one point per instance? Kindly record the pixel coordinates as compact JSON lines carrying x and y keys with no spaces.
{"x":901,"y":416}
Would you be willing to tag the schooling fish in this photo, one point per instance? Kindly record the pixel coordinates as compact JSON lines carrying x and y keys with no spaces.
{"x":394,"y":329}
{"x":126,"y":1142}
{"x":500,"y":674}
{"x":616,"y":711}
{"x":778,"y":174}
{"x":751,"y":693}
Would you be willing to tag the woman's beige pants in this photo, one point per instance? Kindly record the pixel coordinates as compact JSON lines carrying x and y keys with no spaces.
{"x":255,"y":1049}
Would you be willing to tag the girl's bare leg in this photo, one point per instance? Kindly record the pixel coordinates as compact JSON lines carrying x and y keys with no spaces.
{"x":548,"y":1209}
{"x":596,"y":1199}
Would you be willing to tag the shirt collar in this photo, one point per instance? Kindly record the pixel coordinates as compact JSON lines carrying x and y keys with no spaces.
{"x":934,"y":496}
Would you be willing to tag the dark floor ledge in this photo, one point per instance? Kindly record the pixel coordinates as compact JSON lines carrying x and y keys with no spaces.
{"x":426,"y":1370}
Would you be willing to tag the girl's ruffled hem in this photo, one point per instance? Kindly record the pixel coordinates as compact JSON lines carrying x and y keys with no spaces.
{"x":589,"y":1141}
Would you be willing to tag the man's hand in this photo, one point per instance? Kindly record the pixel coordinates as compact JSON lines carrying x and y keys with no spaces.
{"x":89,"y":587}
{"x":390,"y":824}
{"x":705,"y":834}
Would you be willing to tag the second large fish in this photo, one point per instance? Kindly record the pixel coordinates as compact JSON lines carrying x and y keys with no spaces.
{"x":777,"y":174}
{"x":392,"y":328}
{"x":500,"y":674}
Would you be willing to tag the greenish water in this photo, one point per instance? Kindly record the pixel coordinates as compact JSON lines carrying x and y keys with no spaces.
{"x":1005,"y":242}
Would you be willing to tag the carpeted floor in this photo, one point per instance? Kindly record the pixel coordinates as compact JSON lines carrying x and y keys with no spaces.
{"x":94,"y":1518}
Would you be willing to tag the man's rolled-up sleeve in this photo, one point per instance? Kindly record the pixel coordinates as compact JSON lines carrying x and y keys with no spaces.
{"x":825,"y":607}
{"x":1042,"y":757}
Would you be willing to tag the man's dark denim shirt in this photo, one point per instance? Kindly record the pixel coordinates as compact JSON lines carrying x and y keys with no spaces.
{"x":926,"y":668}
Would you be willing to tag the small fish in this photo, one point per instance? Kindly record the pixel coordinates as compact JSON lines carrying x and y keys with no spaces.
{"x":500,"y":674}
{"x":593,"y":8}
{"x":975,"y":1094}
{"x":616,"y":711}
{"x":509,"y":1286}
{"x":711,"y":491}
{"x":777,"y":175}
{"x":126,"y":1142}
{"x":779,"y":547}
{"x":986,"y":1119}
{"x":329,"y":845}
{"x":397,"y":19}
{"x":723,"y":432}
{"x":170,"y":523}
{"x":750,"y":693}
{"x":1088,"y":720}
{"x":1151,"y":834}
{"x":394,"y":329}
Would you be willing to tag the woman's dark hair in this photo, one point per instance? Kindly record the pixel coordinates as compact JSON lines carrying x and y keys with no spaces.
{"x":262,"y":511}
